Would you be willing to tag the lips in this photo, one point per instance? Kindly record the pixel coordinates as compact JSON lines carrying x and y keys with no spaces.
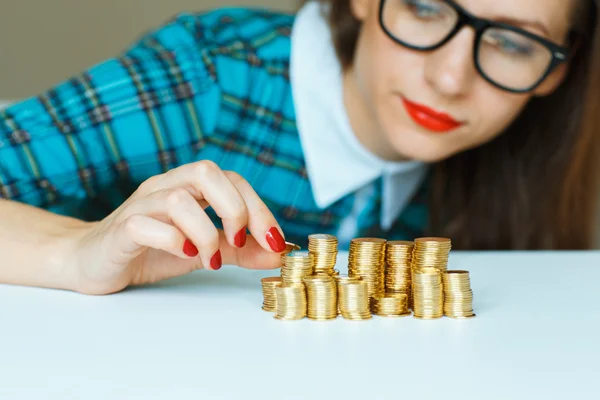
{"x":429,"y":118}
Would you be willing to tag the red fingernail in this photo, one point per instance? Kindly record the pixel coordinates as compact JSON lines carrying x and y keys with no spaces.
{"x":275,"y":240}
{"x":216,"y":262}
{"x":189,"y":249}
{"x":240,"y":238}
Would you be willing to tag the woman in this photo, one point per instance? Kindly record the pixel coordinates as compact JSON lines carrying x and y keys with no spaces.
{"x":476,"y":120}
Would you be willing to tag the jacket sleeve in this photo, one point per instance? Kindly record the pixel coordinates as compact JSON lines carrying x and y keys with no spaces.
{"x":83,"y":146}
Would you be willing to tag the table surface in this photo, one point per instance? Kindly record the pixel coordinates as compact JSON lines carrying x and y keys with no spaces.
{"x":536,"y":335}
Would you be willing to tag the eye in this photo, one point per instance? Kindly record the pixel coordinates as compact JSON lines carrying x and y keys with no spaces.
{"x":424,"y":9}
{"x":509,"y":45}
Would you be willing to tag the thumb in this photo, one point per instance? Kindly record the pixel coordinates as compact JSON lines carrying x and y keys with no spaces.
{"x":251,"y":256}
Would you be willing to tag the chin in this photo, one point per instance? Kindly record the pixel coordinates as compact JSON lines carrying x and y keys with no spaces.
{"x":417,"y":149}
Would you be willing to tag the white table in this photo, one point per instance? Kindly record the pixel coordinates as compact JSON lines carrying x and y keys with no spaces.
{"x":204,"y":336}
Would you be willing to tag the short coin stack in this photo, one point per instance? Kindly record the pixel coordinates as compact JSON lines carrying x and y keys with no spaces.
{"x":458,"y":296}
{"x":324,"y":249}
{"x":366,"y":259}
{"x":289,"y":247}
{"x":269,"y":294}
{"x":428,"y":299}
{"x":431,"y":252}
{"x":398,"y":258}
{"x":291,"y":302}
{"x":321,"y":293}
{"x":297,"y":265}
{"x":353,"y":298}
{"x":390,"y":305}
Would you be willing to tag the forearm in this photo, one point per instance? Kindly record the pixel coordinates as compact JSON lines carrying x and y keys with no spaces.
{"x":36,"y":246}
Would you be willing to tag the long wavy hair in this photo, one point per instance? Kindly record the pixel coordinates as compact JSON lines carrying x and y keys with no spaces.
{"x":536,"y":186}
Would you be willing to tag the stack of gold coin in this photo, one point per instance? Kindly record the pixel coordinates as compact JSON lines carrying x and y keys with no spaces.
{"x":353,"y":298}
{"x":398,"y":257}
{"x":291,"y":302}
{"x":289,"y":247}
{"x":324,"y":249}
{"x":269,"y":295}
{"x":428,"y":299}
{"x":366,"y":259}
{"x":321,"y":294}
{"x":342,"y":278}
{"x":390,"y":305}
{"x":297,"y":265}
{"x":458,"y":296}
{"x":431,"y":252}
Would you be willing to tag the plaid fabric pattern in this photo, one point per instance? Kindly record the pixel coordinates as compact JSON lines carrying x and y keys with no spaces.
{"x":209,"y":86}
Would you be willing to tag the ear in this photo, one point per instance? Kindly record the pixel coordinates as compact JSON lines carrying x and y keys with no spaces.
{"x":553,"y":81}
{"x":360,"y":9}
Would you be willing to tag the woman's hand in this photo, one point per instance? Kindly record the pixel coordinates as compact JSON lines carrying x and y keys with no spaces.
{"x":162,"y":231}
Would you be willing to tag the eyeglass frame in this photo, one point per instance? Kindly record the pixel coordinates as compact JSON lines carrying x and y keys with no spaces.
{"x":560,"y":54}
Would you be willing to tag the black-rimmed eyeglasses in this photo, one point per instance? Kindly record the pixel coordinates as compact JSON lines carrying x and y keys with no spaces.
{"x":509,"y":58}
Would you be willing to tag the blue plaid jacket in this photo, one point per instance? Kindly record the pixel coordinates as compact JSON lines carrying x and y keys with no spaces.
{"x":209,"y":86}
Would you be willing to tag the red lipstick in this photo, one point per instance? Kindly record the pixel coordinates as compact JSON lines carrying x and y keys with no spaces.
{"x":430,"y":119}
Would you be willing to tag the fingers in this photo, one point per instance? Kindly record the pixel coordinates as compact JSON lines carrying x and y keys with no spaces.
{"x":180,"y":208}
{"x":140,"y":231}
{"x":206,"y":181}
{"x":251,"y":256}
{"x":261,"y":222}
{"x":233,"y":199}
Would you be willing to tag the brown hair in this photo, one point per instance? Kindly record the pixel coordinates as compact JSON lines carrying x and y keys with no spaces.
{"x":536,"y":185}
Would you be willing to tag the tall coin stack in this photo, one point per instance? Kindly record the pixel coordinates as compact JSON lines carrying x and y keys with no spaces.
{"x":324,"y":249}
{"x":366,"y":259}
{"x":321,"y":294}
{"x":431,"y":252}
{"x":353,"y":298}
{"x":269,"y":294}
{"x":458,"y":296}
{"x":428,"y":298}
{"x":291,"y":302}
{"x":297,"y":265}
{"x":398,"y":259}
{"x":390,"y":305}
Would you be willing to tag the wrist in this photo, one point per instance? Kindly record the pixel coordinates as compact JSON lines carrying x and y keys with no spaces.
{"x":63,"y":250}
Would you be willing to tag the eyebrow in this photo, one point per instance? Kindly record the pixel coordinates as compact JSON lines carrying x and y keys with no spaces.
{"x":523,"y":23}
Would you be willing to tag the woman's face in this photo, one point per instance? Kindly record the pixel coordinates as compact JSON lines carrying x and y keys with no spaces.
{"x":389,"y":84}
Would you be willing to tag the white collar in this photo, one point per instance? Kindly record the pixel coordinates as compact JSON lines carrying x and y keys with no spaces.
{"x":337,"y":163}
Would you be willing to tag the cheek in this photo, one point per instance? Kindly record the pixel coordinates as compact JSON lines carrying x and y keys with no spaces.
{"x":495,"y":111}
{"x":383,"y":66}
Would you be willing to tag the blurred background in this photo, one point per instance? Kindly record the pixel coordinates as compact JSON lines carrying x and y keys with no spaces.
{"x":45,"y":41}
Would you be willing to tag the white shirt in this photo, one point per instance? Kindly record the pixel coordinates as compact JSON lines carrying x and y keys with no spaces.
{"x":337,"y":163}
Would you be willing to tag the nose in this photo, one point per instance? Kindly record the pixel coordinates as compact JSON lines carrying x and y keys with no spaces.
{"x":450,"y":69}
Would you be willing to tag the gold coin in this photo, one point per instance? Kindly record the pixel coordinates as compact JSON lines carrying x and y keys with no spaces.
{"x":389,"y":304}
{"x":398,"y":267}
{"x":321,"y":293}
{"x":296,"y":265}
{"x":291,"y":302}
{"x":269,"y":295}
{"x":366,"y":259}
{"x":353,"y":299}
{"x":323,"y":247}
{"x":289,"y":247}
{"x":458,"y":296}
{"x":427,"y":294}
